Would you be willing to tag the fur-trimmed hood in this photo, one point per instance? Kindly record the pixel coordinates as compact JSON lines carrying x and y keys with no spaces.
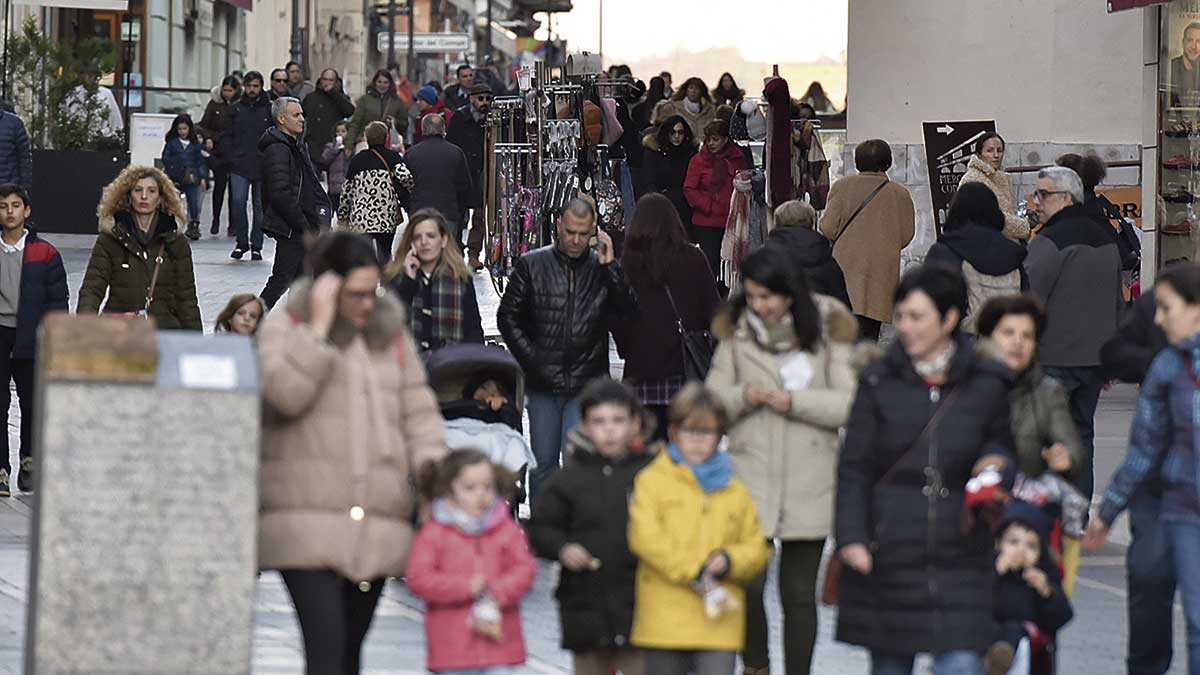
{"x":385,"y":324}
{"x":837,"y":323}
{"x":115,"y":198}
{"x":107,"y":223}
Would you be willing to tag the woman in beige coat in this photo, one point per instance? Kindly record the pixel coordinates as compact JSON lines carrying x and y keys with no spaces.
{"x":784,"y":372}
{"x":867,"y":246}
{"x":347,"y":419}
{"x":984,"y":167}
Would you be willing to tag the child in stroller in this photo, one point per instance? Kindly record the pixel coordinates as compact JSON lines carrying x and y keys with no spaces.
{"x":481,"y":392}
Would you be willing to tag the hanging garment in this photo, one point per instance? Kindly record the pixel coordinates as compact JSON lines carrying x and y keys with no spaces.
{"x":778,"y":152}
{"x":737,"y":230}
{"x":810,"y":167}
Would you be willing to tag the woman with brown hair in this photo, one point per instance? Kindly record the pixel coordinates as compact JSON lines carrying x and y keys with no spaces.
{"x":141,"y":259}
{"x":674,"y":288}
{"x":242,"y":315}
{"x":709,"y":188}
{"x":379,"y":104}
{"x":693,"y":102}
{"x":431,"y":277}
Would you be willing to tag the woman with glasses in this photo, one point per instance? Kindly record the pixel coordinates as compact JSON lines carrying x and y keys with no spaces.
{"x":379,"y":104}
{"x":784,"y":372}
{"x":985,"y":167}
{"x":671,"y":150}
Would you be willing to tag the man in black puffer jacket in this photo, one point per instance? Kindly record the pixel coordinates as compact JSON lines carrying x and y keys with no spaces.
{"x":249,"y":118}
{"x":295,"y":203}
{"x":554,"y":317}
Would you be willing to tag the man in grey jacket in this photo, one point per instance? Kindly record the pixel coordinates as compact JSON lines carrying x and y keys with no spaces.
{"x":1074,"y":267}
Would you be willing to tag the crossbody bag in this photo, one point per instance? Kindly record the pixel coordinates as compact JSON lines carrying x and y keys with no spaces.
{"x":859,"y":210}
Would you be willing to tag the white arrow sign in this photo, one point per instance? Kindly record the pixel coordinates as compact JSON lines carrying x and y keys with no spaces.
{"x":945,"y":129}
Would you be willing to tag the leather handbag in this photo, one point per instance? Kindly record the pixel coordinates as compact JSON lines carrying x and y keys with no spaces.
{"x":833,"y":568}
{"x":698,"y":346}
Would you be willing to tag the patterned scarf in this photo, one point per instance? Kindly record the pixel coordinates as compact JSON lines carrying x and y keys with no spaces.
{"x":737,"y":230}
{"x":444,"y":317}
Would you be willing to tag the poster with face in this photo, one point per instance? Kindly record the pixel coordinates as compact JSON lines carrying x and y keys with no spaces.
{"x":1183,"y":48}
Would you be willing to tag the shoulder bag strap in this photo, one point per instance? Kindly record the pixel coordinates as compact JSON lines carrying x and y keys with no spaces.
{"x":671,"y":299}
{"x":925,"y":433}
{"x":154,"y":276}
{"x":859,"y":210}
{"x":391,"y":174}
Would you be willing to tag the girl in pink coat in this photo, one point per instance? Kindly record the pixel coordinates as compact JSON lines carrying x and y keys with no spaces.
{"x":471,"y":565}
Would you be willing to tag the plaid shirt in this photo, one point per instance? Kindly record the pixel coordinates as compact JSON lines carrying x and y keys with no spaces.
{"x":657,"y":392}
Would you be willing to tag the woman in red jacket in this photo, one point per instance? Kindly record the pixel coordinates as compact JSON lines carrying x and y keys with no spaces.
{"x":709,"y":188}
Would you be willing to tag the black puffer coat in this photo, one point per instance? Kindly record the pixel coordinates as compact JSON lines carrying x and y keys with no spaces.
{"x":929,"y":589}
{"x":555,"y":315}
{"x":292,"y":194}
{"x":813,"y":254}
{"x":247,"y":120}
{"x":468,"y":134}
{"x":322,"y":111}
{"x":665,"y":173}
{"x":587,"y":503}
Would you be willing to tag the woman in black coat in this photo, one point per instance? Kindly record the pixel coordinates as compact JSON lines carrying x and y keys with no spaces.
{"x":658,"y":257}
{"x":917,"y":579}
{"x":667,"y":164}
{"x":212,"y":129}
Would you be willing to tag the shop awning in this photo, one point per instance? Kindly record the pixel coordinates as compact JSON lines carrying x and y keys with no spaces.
{"x":247,"y":5}
{"x":119,"y":5}
{"x":1118,"y":5}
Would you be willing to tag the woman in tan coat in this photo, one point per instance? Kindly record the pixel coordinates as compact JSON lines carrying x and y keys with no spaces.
{"x":347,"y":418}
{"x":869,"y":236}
{"x":984,"y":167}
{"x":784,"y":372}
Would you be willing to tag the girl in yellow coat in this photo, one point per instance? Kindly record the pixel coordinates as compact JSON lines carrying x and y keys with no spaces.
{"x":695,"y":531}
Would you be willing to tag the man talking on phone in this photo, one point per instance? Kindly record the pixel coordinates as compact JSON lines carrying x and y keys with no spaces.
{"x":554,"y":317}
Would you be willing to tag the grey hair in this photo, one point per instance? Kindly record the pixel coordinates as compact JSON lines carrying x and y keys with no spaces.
{"x":1065,"y":180}
{"x":796,"y":213}
{"x":279,"y":106}
{"x":433,"y":125}
{"x":580,"y":208}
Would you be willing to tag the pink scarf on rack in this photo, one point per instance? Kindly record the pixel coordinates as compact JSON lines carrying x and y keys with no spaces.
{"x":737,"y":231}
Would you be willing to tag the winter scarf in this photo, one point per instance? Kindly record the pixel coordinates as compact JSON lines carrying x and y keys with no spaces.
{"x":446,"y":310}
{"x":449,"y":513}
{"x":776,"y":337}
{"x":713,"y":474}
{"x":810,"y":168}
{"x":737,"y":230}
{"x":779,"y":142}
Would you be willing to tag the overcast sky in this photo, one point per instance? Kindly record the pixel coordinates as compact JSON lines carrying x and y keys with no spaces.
{"x":765,"y":30}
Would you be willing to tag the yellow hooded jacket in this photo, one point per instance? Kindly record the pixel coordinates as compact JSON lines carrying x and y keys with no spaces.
{"x":673,"y":528}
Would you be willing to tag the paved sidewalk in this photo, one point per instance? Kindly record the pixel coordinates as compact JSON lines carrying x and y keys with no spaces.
{"x":1093,"y":643}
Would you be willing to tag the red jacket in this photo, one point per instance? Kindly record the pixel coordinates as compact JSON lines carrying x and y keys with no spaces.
{"x":709,"y":184}
{"x":440,"y":567}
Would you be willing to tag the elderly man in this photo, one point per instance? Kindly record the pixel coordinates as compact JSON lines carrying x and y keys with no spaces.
{"x":440,"y":171}
{"x":554,"y":317}
{"x":296,"y":204}
{"x":467,"y":131}
{"x":1074,"y":267}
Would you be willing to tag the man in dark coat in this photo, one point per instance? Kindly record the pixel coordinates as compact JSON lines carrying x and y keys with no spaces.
{"x":554,"y":317}
{"x":16,"y":152}
{"x":296,"y":204}
{"x":467,"y":128}
{"x":1074,"y":268}
{"x":323,"y":109}
{"x":248,"y":119}
{"x":440,"y":172}
{"x":456,"y":95}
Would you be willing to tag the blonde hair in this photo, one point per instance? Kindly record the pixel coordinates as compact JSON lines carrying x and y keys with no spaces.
{"x":795,"y":213}
{"x":115,"y":197}
{"x":694,"y":399}
{"x":452,"y":258}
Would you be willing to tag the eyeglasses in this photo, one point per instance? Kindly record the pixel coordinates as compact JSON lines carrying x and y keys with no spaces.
{"x":483,"y":98}
{"x":276,"y":80}
{"x":1042,"y":194}
{"x":699,"y":433}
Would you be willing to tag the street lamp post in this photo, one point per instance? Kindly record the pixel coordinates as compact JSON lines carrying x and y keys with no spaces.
{"x":296,"y":50}
{"x":601,"y":50}
{"x":391,"y":32}
{"x":410,"y":61}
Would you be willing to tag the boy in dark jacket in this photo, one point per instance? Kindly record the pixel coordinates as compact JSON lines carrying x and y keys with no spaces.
{"x":32,"y":283}
{"x":580,"y":520}
{"x":1027,"y":589}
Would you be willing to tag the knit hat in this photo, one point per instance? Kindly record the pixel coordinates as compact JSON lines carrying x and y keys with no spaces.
{"x":428,"y":94}
{"x":1030,"y":516}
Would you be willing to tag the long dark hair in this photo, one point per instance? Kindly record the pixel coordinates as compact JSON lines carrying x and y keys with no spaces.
{"x":816,"y":94}
{"x":654,"y":237}
{"x":182,"y":119}
{"x":382,"y":72}
{"x":1184,"y":280}
{"x":681,"y":92}
{"x":341,"y":253}
{"x":731,"y":95}
{"x":664,"y":136}
{"x":232,"y":81}
{"x":772,"y":268}
{"x":974,"y":203}
{"x":657,"y":92}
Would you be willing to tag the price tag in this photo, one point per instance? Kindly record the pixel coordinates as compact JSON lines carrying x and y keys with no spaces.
{"x":207,"y":371}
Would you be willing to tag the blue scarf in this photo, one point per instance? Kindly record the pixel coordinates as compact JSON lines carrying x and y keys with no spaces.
{"x":714,"y":474}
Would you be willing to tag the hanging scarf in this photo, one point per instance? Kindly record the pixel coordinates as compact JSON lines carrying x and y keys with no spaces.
{"x":713,"y":474}
{"x":441,"y":322}
{"x":778,"y":151}
{"x":737,"y":230}
{"x":449,"y":513}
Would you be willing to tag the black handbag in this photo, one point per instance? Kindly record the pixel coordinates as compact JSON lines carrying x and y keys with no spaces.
{"x":698,"y":346}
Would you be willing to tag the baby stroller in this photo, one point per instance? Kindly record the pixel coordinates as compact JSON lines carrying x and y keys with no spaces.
{"x":456,"y":373}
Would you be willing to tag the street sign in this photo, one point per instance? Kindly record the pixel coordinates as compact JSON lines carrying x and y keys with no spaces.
{"x":948,"y":148}
{"x":427,"y":43}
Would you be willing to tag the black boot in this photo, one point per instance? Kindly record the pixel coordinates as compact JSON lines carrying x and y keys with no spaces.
{"x":193,"y":230}
{"x":215,"y":229}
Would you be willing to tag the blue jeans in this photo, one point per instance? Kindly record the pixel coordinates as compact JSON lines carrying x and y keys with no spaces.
{"x":192,"y":194}
{"x":1150,"y":574}
{"x":551,"y":418}
{"x":960,"y":662}
{"x":1184,"y":540}
{"x":239,"y":191}
{"x":1083,"y":385}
